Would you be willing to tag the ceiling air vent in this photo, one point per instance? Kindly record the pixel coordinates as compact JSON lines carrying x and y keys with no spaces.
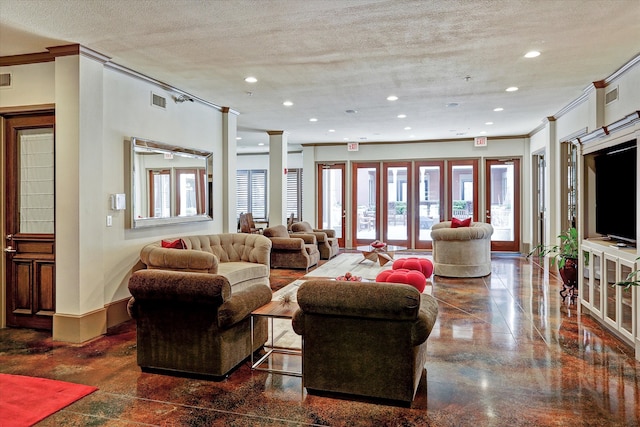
{"x":611,"y":96}
{"x":5,"y":80}
{"x":158,"y":101}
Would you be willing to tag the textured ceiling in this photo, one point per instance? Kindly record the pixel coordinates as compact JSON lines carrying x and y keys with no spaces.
{"x":329,"y":56}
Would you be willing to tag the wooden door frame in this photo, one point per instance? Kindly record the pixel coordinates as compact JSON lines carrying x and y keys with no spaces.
{"x":505,"y":246}
{"x":384,"y":202}
{"x":449,"y":186}
{"x":427,"y":244}
{"x":354,"y":209}
{"x":319,"y":168}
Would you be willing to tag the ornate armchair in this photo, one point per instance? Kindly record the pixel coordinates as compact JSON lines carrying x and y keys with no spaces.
{"x":292,"y":251}
{"x":327,"y":240}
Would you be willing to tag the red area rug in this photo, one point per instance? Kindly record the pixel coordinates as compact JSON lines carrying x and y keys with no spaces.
{"x":26,"y":400}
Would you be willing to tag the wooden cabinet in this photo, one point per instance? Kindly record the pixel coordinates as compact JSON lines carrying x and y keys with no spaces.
{"x":602,"y":265}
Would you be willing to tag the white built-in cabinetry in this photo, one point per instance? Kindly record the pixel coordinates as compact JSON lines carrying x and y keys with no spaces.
{"x":603,"y":264}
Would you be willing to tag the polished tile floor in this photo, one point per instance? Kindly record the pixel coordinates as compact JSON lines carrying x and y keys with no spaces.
{"x":505,"y":352}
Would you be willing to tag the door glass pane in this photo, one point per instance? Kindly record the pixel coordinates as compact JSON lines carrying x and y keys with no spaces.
{"x":187,"y":194}
{"x":397,"y":203}
{"x":502,"y":196}
{"x":161,"y":203}
{"x":626,"y":306}
{"x":366,"y":179}
{"x":36,"y":181}
{"x":462,"y":191}
{"x":429,"y":199}
{"x":332,"y":200}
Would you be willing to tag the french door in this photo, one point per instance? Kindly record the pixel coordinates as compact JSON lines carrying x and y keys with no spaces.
{"x":462,"y":186}
{"x":29,"y":205}
{"x":331,"y":190}
{"x":429,"y":195}
{"x":396,"y":203}
{"x":365,"y":215}
{"x":503,"y":203}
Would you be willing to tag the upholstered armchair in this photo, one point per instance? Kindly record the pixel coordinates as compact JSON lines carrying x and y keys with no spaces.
{"x":327,"y":240}
{"x":366,"y":339}
{"x":292,"y":251}
{"x":461,"y":251}
{"x":193,"y":323}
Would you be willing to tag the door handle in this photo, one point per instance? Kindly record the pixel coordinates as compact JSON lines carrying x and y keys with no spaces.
{"x":9,"y":249}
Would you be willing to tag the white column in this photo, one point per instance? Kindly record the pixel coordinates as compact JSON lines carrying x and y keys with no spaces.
{"x":229,"y":161}
{"x":277,"y":208}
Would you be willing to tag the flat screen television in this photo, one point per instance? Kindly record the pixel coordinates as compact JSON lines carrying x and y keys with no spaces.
{"x":616,"y":192}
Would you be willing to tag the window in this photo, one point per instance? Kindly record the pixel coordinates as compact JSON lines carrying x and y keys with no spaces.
{"x":252,"y":192}
{"x":294,"y":193}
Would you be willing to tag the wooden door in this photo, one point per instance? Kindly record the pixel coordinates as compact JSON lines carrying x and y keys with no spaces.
{"x":503,"y":203}
{"x":30,"y":220}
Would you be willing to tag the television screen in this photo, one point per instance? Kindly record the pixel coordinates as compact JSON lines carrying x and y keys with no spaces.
{"x":616,"y":192}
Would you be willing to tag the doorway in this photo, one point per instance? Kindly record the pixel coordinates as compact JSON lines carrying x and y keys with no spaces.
{"x":502,"y":203}
{"x":331,"y":189}
{"x":29,"y":247}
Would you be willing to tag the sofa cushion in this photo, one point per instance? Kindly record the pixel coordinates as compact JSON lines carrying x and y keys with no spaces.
{"x":241,"y":271}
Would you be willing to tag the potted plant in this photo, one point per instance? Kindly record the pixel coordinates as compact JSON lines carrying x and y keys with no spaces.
{"x":564,"y":255}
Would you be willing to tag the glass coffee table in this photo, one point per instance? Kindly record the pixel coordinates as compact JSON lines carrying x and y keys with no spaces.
{"x":381,"y":255}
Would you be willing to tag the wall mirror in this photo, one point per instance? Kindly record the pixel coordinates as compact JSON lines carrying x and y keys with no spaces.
{"x":169,"y":184}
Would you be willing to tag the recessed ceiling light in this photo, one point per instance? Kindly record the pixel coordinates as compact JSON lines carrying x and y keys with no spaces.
{"x":392,"y":98}
{"x":532,"y":54}
{"x":261,"y":143}
{"x":498,"y":109}
{"x":250,"y":79}
{"x":488,"y":123}
{"x":407,"y":128}
{"x":346,"y":139}
{"x":332,"y":130}
{"x":511,"y":89}
{"x":402,"y":116}
{"x":412,"y":136}
{"x":287,"y":103}
{"x":483,"y":132}
{"x":238,"y":138}
{"x":313,"y":119}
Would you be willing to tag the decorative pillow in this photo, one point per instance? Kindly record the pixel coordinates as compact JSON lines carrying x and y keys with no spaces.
{"x":456,"y":223}
{"x":176,"y":244}
{"x":423,"y":265}
{"x":402,"y":275}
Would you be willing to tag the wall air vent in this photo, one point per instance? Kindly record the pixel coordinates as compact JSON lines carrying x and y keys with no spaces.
{"x":5,"y":80}
{"x":158,"y":101}
{"x":611,"y":96}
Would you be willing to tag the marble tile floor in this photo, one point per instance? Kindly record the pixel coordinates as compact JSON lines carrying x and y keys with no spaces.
{"x":505,"y":351}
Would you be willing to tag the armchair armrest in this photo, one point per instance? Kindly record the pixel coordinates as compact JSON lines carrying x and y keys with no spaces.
{"x":156,"y":257}
{"x":179,"y":286}
{"x":287,"y":243}
{"x":241,"y":304}
{"x":427,"y":315}
{"x":320,"y":236}
{"x":328,"y":231}
{"x":309,"y":239}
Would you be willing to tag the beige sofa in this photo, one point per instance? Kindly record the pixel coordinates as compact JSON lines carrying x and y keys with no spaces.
{"x":462,"y":251}
{"x":244,"y":259}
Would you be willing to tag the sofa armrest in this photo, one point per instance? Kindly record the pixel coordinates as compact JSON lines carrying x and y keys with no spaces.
{"x":287,"y":243}
{"x":179,"y":286}
{"x":241,"y":304}
{"x":178,"y":259}
{"x":297,"y":322}
{"x":427,"y":316}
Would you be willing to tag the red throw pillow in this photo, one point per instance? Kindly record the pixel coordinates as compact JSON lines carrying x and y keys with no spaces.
{"x":176,"y":244}
{"x":402,"y":275}
{"x":456,"y":223}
